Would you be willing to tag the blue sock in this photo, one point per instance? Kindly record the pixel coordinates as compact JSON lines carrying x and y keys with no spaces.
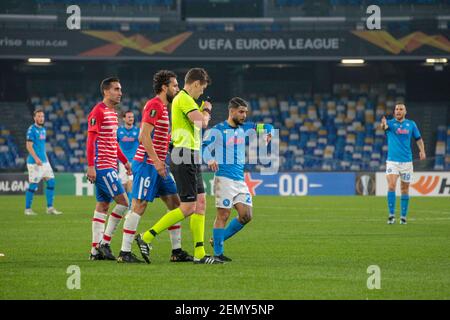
{"x":218,"y":241}
{"x":233,"y":227}
{"x":50,"y":192}
{"x":29,"y":195}
{"x":404,"y":204}
{"x":391,"y":202}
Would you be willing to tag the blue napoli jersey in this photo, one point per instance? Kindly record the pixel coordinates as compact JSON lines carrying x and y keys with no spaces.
{"x":128,"y":141}
{"x":37,"y":135}
{"x":228,"y":145}
{"x":399,"y":139}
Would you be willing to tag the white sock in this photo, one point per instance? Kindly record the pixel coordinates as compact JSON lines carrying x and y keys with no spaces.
{"x":98,"y":227}
{"x":129,"y":230}
{"x":175,"y":235}
{"x":113,"y":221}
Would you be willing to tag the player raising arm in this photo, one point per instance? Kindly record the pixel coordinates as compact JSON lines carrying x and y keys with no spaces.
{"x":399,"y":132}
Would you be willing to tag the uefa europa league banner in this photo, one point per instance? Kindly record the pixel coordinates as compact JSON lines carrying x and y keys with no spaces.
{"x":221,"y":46}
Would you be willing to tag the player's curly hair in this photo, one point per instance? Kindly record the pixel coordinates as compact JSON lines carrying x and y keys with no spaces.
{"x":161,"y":78}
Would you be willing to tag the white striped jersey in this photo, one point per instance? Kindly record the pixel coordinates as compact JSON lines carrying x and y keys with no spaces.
{"x":156,"y":114}
{"x":104,"y":122}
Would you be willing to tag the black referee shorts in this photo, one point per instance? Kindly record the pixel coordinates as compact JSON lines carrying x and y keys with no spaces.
{"x":187,"y":175}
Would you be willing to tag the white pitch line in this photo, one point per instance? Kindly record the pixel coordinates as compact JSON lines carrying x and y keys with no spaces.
{"x":341,"y":209}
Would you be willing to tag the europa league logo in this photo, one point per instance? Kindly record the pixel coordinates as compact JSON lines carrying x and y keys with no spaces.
{"x":365,"y":184}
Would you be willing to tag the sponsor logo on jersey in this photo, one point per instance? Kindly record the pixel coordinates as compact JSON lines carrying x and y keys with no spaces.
{"x":402,"y":131}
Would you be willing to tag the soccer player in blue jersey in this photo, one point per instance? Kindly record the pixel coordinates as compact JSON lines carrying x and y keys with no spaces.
{"x":399,"y":131}
{"x":38,"y":166}
{"x":230,"y":190}
{"x":127,"y":136}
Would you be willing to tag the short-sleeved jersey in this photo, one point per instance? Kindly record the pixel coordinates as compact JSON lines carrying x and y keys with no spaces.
{"x":104,"y":122}
{"x":399,"y":139}
{"x":37,"y":135}
{"x":230,"y":142}
{"x":128,"y":141}
{"x":156,"y":114}
{"x":184,"y":133}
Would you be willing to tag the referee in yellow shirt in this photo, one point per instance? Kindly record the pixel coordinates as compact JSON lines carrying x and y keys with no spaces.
{"x":188,"y":118}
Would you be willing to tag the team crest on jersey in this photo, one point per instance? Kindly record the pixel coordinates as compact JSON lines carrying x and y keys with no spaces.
{"x":93,"y":122}
{"x":153,"y":113}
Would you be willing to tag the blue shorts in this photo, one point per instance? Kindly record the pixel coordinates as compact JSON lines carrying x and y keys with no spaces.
{"x":148,"y":184}
{"x":107,"y":185}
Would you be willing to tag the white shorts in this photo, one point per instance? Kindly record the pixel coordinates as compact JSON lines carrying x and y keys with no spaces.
{"x":228,"y":192}
{"x":123,"y":174}
{"x":37,"y":173}
{"x":403,"y":169}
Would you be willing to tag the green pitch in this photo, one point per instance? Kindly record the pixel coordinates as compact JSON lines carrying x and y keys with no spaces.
{"x":295,"y":248}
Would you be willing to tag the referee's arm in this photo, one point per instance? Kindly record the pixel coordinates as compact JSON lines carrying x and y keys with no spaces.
{"x":201,"y":119}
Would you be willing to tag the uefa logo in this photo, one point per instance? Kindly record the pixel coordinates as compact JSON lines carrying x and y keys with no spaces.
{"x":365,"y":184}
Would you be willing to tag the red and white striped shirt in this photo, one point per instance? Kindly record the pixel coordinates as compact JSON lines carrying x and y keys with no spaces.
{"x":103,"y":121}
{"x":156,"y":114}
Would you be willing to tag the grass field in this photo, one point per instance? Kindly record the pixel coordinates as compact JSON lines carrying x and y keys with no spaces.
{"x":295,"y":248}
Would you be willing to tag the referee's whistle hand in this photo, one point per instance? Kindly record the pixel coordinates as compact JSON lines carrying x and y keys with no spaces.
{"x":207,"y":105}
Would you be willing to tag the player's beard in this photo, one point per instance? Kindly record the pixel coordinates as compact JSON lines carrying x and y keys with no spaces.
{"x":237,"y":121}
{"x":170,"y":97}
